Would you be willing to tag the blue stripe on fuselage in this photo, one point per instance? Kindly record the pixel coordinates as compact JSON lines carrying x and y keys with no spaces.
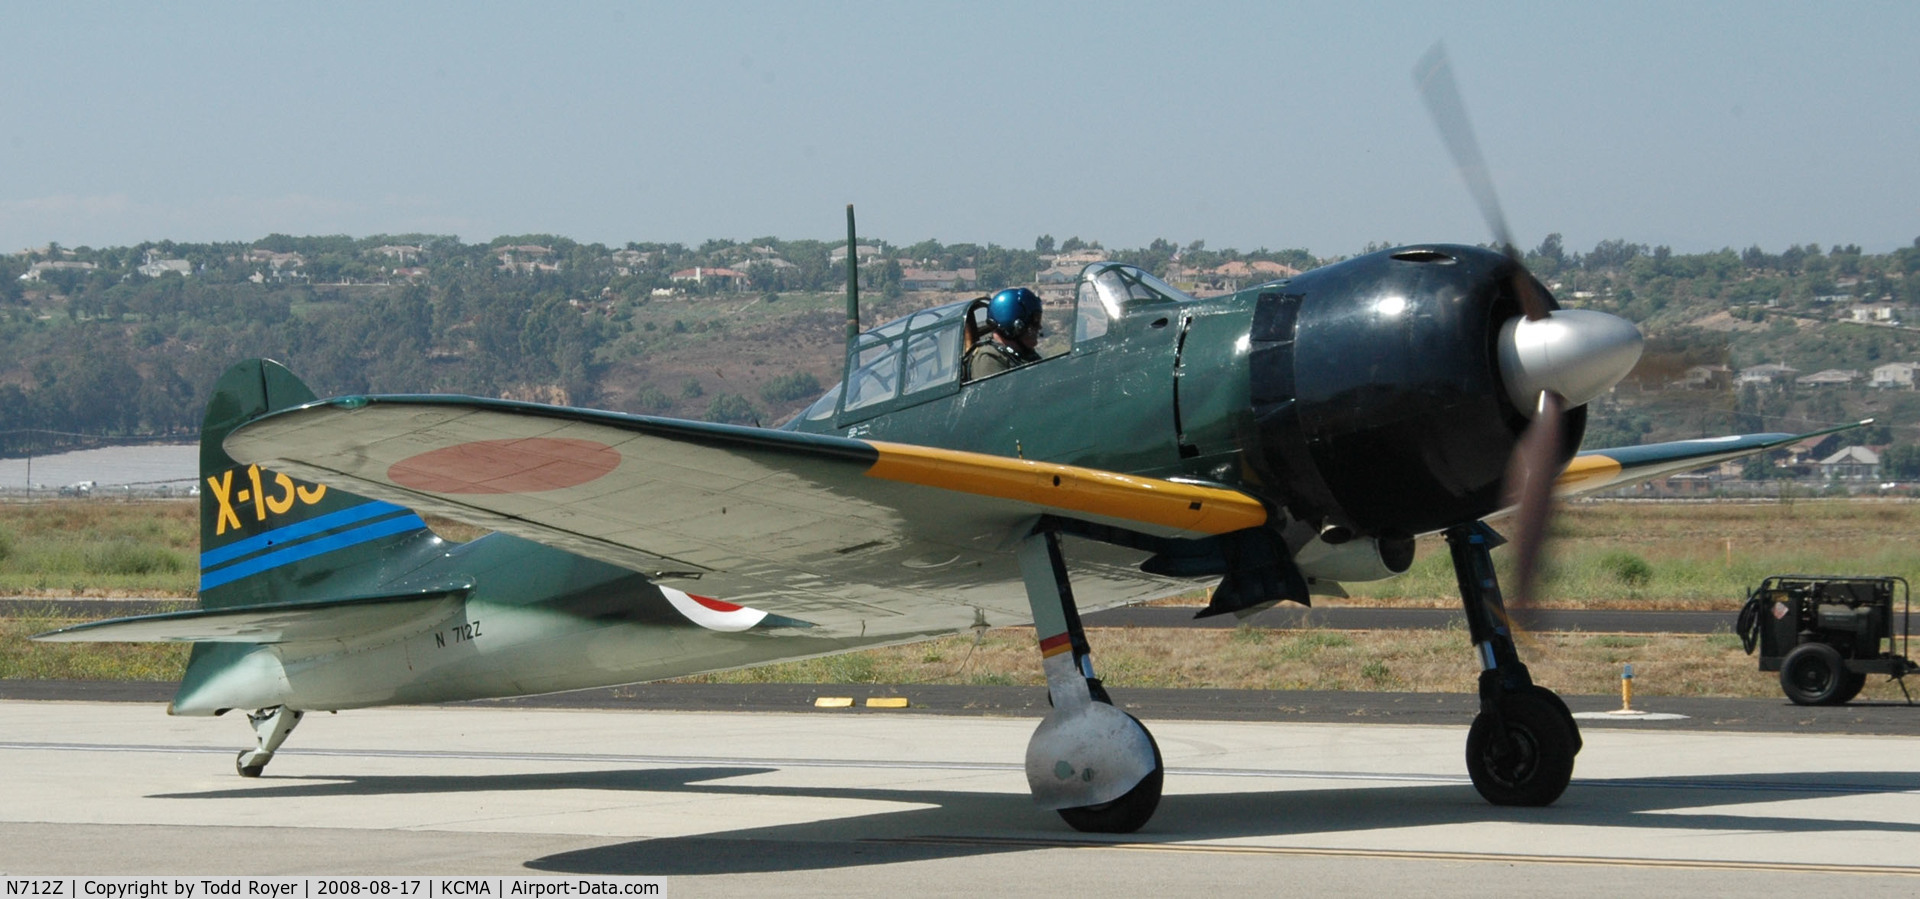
{"x":295,"y":531}
{"x":311,"y":548}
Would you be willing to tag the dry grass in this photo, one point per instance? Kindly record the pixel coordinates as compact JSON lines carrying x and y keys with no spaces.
{"x":1685,"y":556}
{"x":1682,"y":550}
{"x":1419,"y":661}
{"x":100,"y":548}
{"x":24,"y":660}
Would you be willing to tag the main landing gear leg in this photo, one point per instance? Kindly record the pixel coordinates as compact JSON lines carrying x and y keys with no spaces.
{"x":270,"y":727}
{"x":1520,"y":749}
{"x":1094,"y":764}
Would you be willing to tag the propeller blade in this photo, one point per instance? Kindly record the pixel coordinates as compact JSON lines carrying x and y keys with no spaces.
{"x":1529,"y":486}
{"x":1434,"y":76}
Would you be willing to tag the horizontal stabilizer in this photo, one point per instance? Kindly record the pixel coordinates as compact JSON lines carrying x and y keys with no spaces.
{"x":311,"y":622}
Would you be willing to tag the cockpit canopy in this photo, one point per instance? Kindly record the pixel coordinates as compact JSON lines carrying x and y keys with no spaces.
{"x":1107,"y":290}
{"x":916,"y":358}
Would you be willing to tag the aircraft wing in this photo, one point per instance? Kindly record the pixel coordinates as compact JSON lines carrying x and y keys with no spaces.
{"x":851,"y":535}
{"x":1596,"y":470}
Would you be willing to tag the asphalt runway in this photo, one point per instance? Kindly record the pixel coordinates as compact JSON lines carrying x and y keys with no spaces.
{"x":895,"y":804}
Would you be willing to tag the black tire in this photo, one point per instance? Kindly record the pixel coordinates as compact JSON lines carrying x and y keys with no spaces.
{"x":1748,"y":624}
{"x":1812,"y":674}
{"x":246,"y":770}
{"x":1851,"y":683}
{"x":1525,"y":757}
{"x":1128,"y":813}
{"x":1566,"y":714}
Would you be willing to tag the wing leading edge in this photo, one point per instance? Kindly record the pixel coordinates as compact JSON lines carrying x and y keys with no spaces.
{"x":1597,"y":470}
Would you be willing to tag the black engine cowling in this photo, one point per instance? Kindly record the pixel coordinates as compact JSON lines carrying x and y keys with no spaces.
{"x":1377,"y":394}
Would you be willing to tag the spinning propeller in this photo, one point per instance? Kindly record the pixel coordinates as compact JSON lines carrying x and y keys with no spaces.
{"x":1550,"y":359}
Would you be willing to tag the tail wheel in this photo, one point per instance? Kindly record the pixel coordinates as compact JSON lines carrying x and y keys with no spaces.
{"x":1127,"y":813}
{"x":1525,"y":757}
{"x":1813,"y":674}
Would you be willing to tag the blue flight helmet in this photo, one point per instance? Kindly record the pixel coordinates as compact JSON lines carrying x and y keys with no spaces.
{"x":1015,"y":312}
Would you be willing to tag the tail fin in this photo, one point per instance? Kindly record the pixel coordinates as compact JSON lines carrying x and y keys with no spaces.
{"x":267,"y":538}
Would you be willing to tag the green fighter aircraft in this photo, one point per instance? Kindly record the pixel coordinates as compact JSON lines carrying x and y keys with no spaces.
{"x":1277,"y":442}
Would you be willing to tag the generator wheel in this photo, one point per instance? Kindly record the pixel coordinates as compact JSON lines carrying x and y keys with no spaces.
{"x":1851,"y":683}
{"x":1812,"y":674}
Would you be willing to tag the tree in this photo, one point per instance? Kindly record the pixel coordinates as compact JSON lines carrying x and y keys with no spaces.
{"x":1613,"y":254}
{"x":790,"y":388}
{"x":1901,"y":461}
{"x":732,"y":408}
{"x":1043,"y":244}
{"x":1549,"y":258}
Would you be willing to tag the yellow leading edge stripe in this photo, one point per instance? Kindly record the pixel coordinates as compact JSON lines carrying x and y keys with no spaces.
{"x":1587,"y":473}
{"x":1169,"y":504}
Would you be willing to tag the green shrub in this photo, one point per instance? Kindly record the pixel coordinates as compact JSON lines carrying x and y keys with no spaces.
{"x":731,"y":408}
{"x":790,"y":388}
{"x":128,"y":557}
{"x":1627,"y":568}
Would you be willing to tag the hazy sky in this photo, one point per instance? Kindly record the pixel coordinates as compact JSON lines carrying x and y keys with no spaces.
{"x":1697,"y":125}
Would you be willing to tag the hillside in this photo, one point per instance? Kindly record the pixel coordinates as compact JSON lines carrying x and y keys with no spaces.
{"x":125,"y":341}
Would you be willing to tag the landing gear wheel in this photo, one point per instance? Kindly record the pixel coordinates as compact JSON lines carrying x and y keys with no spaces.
{"x":1851,"y":683}
{"x":1813,"y":674}
{"x":1128,"y":813}
{"x":1566,"y":714}
{"x":1526,"y":756}
{"x":246,"y":770}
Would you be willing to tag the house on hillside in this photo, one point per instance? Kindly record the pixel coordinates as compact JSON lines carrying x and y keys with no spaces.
{"x":34,"y":272}
{"x":525,"y":259}
{"x":866,"y":254}
{"x":1872,"y":313}
{"x":929,"y":279}
{"x":1808,"y":452}
{"x":725,"y":278}
{"x":1854,"y":463}
{"x":1767,"y":375}
{"x":1894,"y":374}
{"x":154,"y":268}
{"x":1706,"y":377}
{"x":1832,"y":377}
{"x":1078,"y":259}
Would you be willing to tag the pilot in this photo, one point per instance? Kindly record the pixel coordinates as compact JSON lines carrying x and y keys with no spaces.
{"x":1013,"y":321}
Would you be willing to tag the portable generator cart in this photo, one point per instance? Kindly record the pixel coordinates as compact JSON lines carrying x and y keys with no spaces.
{"x":1826,"y":634}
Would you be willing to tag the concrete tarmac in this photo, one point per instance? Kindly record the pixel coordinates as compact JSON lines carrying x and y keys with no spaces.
{"x":812,"y":803}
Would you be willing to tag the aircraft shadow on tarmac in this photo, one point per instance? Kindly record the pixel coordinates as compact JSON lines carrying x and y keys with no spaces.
{"x":952,"y":824}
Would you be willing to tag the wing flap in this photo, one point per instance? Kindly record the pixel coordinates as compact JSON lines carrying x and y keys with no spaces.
{"x":342,"y":620}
